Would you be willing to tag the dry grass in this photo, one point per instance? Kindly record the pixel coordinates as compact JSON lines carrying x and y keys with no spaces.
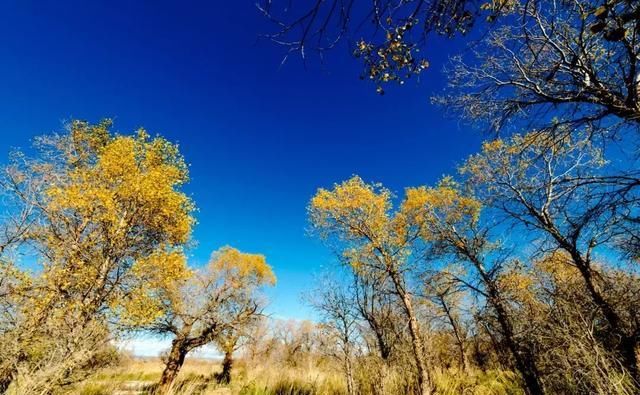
{"x":137,"y":376}
{"x":151,"y":368}
{"x":259,"y":380}
{"x":476,"y":382}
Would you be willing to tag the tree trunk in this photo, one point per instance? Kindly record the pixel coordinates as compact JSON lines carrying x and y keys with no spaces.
{"x":174,"y":363}
{"x":380,"y":386}
{"x":224,"y":377}
{"x":457,"y":332}
{"x":463,"y":355}
{"x":349,"y":373}
{"x":623,"y":343}
{"x":383,"y":347}
{"x":5,"y":380}
{"x":524,"y":360}
{"x":425,"y":387}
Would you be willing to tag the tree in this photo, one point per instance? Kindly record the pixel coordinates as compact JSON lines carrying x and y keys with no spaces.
{"x":557,"y":66}
{"x":102,"y":209}
{"x":555,"y":189}
{"x":549,"y":297}
{"x":334,"y":303}
{"x":231,"y":339}
{"x":377,"y":306}
{"x":445,"y":294}
{"x":14,"y":287}
{"x":15,"y":284}
{"x":227,"y":342}
{"x":260,"y":345}
{"x":198,"y":309}
{"x":393,"y":30}
{"x":358,"y":216}
{"x":449,"y":220}
{"x":298,"y":342}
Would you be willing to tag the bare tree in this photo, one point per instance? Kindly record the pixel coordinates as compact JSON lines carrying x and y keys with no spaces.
{"x":333,"y":301}
{"x":378,"y":307}
{"x":385,"y":34}
{"x":442,"y":289}
{"x":555,"y":64}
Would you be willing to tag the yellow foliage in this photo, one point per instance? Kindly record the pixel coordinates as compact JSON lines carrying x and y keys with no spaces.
{"x":443,"y":204}
{"x":360,"y":209}
{"x":158,"y":277}
{"x":559,"y":266}
{"x":131,"y":176}
{"x":518,"y":285}
{"x":116,"y":219}
{"x":362,"y":214}
{"x":240,"y":267}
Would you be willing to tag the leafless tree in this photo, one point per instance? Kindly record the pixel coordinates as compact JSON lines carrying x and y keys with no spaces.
{"x":334,"y":302}
{"x":446,"y":294}
{"x":385,"y":34}
{"x":555,"y":66}
{"x":378,"y":308}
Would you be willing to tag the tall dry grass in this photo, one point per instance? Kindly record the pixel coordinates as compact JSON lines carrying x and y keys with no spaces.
{"x":137,"y":377}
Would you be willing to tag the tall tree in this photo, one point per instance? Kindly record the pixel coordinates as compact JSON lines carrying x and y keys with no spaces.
{"x":333,"y":302}
{"x":100,"y":207}
{"x":358,"y":216}
{"x":449,"y":220}
{"x":445,"y":293}
{"x":555,"y":188}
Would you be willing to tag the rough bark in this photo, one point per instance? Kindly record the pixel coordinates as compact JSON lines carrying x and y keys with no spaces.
{"x":224,"y":377}
{"x":425,"y":386}
{"x":175,"y":360}
{"x":349,"y":373}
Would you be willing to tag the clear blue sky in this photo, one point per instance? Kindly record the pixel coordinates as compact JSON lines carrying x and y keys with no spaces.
{"x":260,"y":138}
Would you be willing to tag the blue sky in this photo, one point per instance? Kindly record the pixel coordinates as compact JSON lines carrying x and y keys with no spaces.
{"x":260,"y":138}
